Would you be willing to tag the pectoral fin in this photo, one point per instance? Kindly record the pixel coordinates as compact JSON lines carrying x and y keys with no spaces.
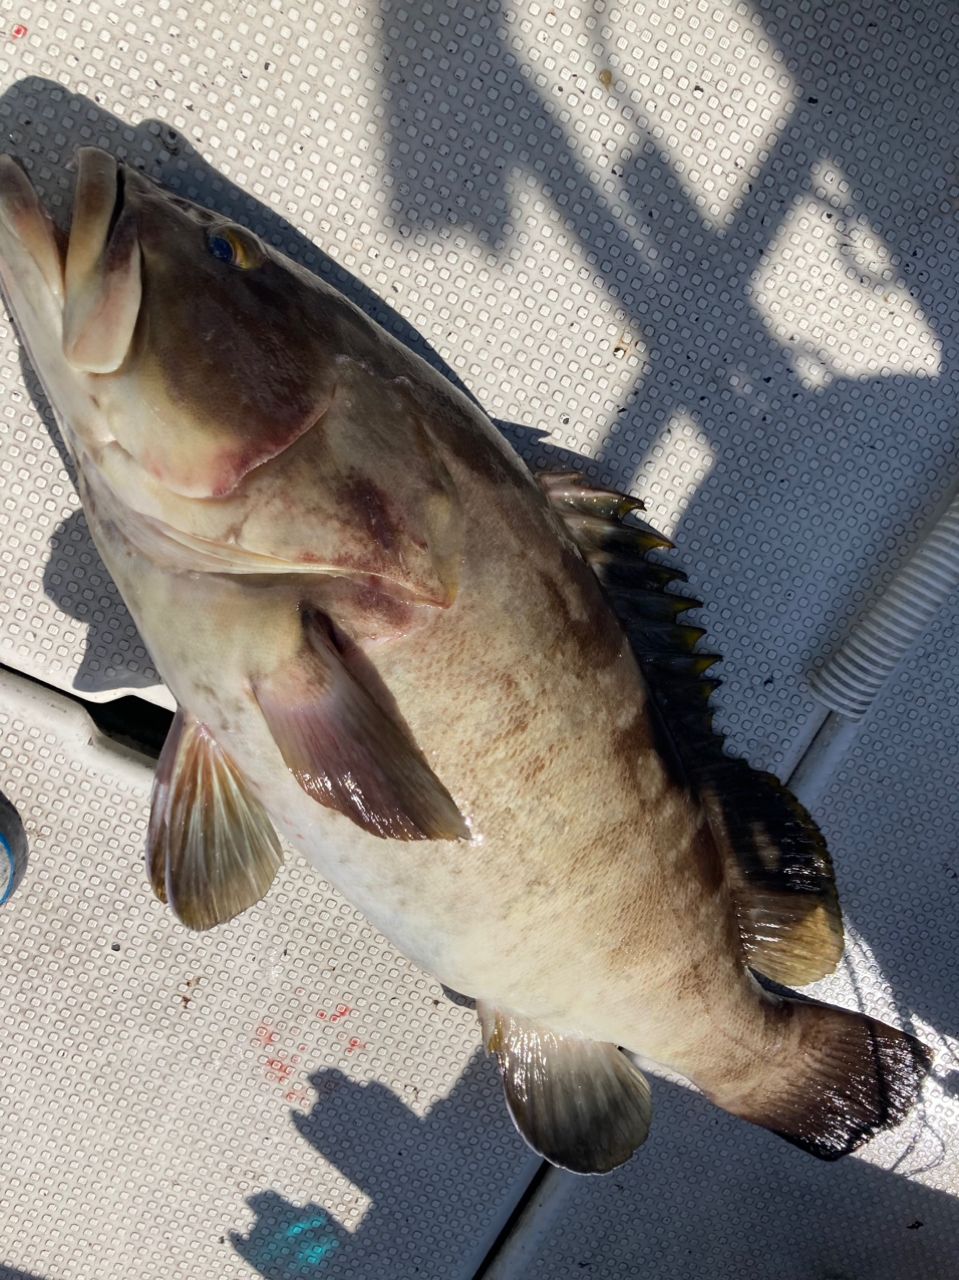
{"x":346,"y":743}
{"x":211,"y":849}
{"x":580,"y":1104}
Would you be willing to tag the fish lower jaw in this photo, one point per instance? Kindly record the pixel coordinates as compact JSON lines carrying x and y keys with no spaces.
{"x":74,"y":404}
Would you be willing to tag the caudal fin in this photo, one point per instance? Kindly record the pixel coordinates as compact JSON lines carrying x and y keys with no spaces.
{"x":850,"y":1077}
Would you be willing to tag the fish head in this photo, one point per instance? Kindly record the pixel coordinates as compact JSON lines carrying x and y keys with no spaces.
{"x":162,"y":328}
{"x":182,"y":355}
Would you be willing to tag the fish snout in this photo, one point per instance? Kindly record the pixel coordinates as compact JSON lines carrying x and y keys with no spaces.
{"x":26,"y":226}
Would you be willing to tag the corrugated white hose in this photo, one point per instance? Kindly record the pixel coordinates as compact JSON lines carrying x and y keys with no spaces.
{"x":849,"y":682}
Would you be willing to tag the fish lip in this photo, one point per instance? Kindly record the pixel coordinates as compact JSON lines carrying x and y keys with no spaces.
{"x":19,"y":198}
{"x":85,"y":159}
{"x":119,"y":201}
{"x":26,"y":223}
{"x":16,"y":190}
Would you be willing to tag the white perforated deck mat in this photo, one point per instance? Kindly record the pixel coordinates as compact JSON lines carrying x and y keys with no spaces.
{"x":709,"y":250}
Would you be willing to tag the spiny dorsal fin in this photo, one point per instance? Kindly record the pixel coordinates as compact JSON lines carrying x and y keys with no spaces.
{"x":775,"y":855}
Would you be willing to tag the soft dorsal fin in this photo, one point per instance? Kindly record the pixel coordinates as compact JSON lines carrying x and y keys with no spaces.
{"x":775,"y":855}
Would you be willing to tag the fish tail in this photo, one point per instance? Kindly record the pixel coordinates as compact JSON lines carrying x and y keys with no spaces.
{"x":844,"y":1077}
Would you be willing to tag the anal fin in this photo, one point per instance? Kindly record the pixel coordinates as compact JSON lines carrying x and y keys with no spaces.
{"x":211,"y":848}
{"x":581,"y":1104}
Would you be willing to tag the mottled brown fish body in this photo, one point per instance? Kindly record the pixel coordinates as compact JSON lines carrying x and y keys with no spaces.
{"x":388,"y":640}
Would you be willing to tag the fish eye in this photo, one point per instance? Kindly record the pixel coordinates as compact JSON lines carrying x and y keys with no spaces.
{"x":226,"y":245}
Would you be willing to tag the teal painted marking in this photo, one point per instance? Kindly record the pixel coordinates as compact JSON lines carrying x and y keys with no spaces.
{"x":295,"y":1251}
{"x":314,"y":1253}
{"x":321,"y":1220}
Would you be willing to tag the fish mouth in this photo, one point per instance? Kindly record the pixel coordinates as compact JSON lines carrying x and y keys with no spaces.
{"x":92,"y":272}
{"x":27,"y":232}
{"x":118,"y":199}
{"x":98,"y":202}
{"x":101,"y":270}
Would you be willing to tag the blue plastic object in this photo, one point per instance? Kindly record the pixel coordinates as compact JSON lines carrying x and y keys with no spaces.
{"x":8,"y":867}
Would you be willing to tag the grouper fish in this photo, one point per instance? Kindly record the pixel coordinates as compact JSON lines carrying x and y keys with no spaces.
{"x":465,"y":693}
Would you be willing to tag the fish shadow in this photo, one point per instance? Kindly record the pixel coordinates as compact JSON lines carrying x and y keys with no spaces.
{"x":846,"y":1221}
{"x":436,"y":1183}
{"x":48,"y":124}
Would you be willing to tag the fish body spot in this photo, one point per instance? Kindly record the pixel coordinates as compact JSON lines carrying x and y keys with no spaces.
{"x":372,"y":504}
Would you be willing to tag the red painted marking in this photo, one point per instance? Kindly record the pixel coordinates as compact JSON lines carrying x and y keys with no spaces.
{"x":19,"y":31}
{"x":265,"y":1036}
{"x":339,"y":1012}
{"x":354,"y":1045}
